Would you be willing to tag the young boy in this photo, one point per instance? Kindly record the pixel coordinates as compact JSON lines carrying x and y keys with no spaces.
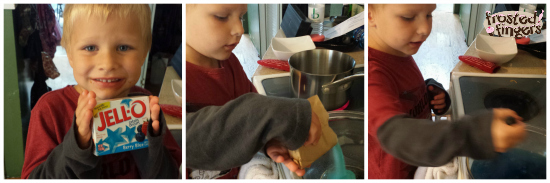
{"x":400,"y":132}
{"x":106,"y":46}
{"x":227,"y":121}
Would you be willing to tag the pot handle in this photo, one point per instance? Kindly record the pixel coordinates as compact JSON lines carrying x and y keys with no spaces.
{"x":341,"y":84}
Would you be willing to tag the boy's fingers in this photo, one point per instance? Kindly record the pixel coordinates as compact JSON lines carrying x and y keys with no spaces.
{"x":278,"y":159}
{"x":153,"y":99}
{"x":91,"y":103}
{"x":87,"y":119}
{"x":155,"y":110}
{"x":81,"y":102}
{"x":290,"y":165}
{"x":516,"y":116}
{"x":91,"y":94}
{"x":438,"y":101}
{"x":503,"y":113}
{"x":440,"y":96}
{"x":156,"y":125}
{"x":439,"y":106}
{"x":84,"y":92}
{"x":300,"y":172}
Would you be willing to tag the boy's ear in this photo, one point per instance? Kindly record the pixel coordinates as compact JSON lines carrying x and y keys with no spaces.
{"x":370,"y":17}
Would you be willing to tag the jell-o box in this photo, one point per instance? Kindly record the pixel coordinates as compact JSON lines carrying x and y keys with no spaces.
{"x":120,"y":125}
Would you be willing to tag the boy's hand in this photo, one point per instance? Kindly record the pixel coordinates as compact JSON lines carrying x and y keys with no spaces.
{"x":83,"y":113}
{"x":314,"y":130}
{"x":439,"y":98}
{"x":279,"y":153}
{"x":155,"y":110}
{"x":506,"y":136}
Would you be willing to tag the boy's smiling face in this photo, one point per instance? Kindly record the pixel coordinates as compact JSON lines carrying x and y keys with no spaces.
{"x":106,"y":57}
{"x":399,"y":29}
{"x":213,"y":30}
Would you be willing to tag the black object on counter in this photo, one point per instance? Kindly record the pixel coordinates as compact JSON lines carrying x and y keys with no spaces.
{"x":343,"y":43}
{"x":295,"y":23}
{"x":538,"y":49}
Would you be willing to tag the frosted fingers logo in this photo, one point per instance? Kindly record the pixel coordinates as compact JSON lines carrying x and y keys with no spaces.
{"x":513,"y":23}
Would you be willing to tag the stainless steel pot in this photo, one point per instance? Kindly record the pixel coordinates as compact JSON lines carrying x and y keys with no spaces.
{"x":322,"y":72}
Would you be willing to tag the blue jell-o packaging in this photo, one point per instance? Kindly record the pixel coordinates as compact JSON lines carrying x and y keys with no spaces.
{"x":120,"y":125}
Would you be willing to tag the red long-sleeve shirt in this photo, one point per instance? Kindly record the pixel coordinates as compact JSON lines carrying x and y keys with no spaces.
{"x":396,"y":87}
{"x":215,"y":87}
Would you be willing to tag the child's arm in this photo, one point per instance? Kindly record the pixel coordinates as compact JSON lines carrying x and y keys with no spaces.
{"x":49,"y":156}
{"x":422,"y":142}
{"x":425,"y":143}
{"x":440,"y":101}
{"x":160,"y":159}
{"x":223,"y":137}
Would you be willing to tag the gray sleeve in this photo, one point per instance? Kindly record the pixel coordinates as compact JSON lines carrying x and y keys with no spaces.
{"x":223,"y":137}
{"x":156,"y":162}
{"x":421,"y":142}
{"x":67,"y":160}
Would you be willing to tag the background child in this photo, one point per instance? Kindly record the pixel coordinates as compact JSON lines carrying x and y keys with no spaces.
{"x":233,"y":122}
{"x":106,"y":46}
{"x":401,"y":133}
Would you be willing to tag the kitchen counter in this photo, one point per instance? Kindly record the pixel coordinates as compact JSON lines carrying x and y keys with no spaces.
{"x":359,"y":57}
{"x":166,"y":96}
{"x":522,"y":63}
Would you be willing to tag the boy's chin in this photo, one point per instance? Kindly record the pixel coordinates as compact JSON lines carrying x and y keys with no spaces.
{"x":222,"y":56}
{"x":408,"y":52}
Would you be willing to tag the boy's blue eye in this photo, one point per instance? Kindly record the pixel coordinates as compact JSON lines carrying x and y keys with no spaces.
{"x":90,"y":48}
{"x":123,"y":48}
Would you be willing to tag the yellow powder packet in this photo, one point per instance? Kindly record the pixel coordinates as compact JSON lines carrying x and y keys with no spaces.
{"x":306,"y":155}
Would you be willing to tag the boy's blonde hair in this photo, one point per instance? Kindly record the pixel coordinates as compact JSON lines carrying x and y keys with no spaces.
{"x":74,"y":11}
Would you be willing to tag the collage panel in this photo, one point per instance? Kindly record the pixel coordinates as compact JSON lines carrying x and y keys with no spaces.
{"x":275,"y":91}
{"x":457,"y":91}
{"x":92,"y":91}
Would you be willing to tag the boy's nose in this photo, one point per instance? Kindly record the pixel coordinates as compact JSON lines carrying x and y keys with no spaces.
{"x":425,"y":28}
{"x":107,"y":61}
{"x":237,"y":29}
